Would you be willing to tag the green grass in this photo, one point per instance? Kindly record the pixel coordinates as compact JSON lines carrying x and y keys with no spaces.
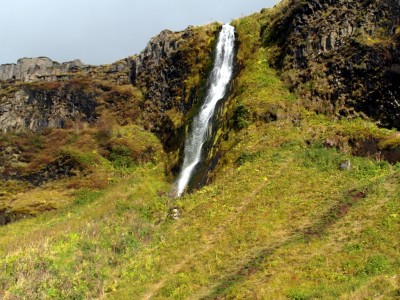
{"x":279,"y":221}
{"x":271,"y":226}
{"x":76,"y":252}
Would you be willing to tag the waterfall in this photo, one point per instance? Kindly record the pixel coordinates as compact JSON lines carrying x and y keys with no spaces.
{"x":219,"y":80}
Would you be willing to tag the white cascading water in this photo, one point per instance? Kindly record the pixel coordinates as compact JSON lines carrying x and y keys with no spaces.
{"x":219,"y":80}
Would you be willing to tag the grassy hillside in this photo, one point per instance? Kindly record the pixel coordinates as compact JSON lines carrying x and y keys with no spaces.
{"x":281,"y":220}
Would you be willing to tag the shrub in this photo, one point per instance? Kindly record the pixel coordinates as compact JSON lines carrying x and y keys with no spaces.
{"x":86,"y":196}
{"x":376,"y":264}
{"x":241,"y":116}
{"x":104,"y":129}
{"x":121,"y":157}
{"x":299,"y":295}
{"x":247,"y":157}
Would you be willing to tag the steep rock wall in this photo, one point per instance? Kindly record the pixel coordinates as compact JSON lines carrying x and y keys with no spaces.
{"x":37,"y":68}
{"x":342,"y":56}
{"x":39,"y":93}
{"x":45,"y":106}
{"x":172,"y":72}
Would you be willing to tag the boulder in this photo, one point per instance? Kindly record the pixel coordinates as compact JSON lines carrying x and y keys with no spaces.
{"x":345,"y":165}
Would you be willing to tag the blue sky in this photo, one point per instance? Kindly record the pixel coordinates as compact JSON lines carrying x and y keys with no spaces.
{"x":103,"y":31}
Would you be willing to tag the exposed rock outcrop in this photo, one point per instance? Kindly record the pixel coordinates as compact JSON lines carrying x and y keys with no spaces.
{"x":38,"y":68}
{"x":38,"y":93}
{"x":171,"y":71}
{"x":41,"y":106}
{"x":60,"y":168}
{"x":342,"y":55}
{"x":118,"y":72}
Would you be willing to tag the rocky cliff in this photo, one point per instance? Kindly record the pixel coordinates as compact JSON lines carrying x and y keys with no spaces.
{"x":341,"y":57}
{"x":46,"y":106}
{"x":172,"y":72}
{"x":159,"y":89}
{"x":38,"y":68}
{"x":37,"y":93}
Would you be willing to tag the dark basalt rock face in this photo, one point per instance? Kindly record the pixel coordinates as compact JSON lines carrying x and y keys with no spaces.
{"x":38,"y":93}
{"x":60,"y":168}
{"x":161,"y":69}
{"x":342,"y":56}
{"x":171,"y":73}
{"x":45,"y":106}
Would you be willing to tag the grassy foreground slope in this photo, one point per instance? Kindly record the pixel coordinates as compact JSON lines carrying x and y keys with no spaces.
{"x":280,"y":220}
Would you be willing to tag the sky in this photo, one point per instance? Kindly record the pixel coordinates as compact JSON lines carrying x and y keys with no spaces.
{"x":103,"y":31}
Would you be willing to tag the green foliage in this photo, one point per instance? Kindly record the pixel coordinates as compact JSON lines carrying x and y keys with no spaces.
{"x":248,"y":32}
{"x":299,"y":295}
{"x":376,"y":264}
{"x":319,"y":157}
{"x":241,"y":116}
{"x":37,"y":142}
{"x":121,"y":157}
{"x":391,"y":142}
{"x":86,"y":159}
{"x":84,"y":197}
{"x":246,"y":157}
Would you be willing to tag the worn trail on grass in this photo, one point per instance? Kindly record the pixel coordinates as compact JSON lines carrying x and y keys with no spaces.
{"x":216,"y":234}
{"x":240,"y":272}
